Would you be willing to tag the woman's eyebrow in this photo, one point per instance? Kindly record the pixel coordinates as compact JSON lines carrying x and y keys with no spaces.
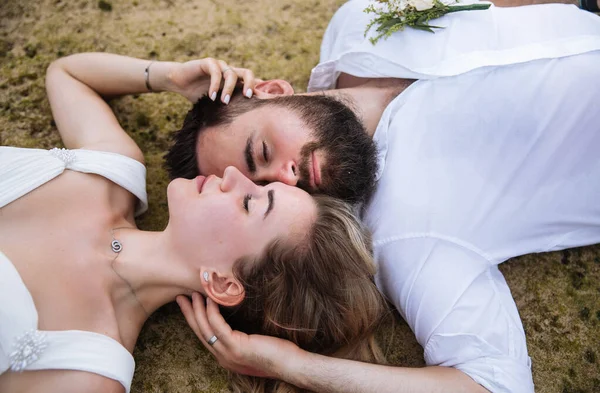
{"x":271,"y":195}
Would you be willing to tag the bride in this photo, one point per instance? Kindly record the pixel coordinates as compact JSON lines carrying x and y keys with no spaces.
{"x":78,"y":279}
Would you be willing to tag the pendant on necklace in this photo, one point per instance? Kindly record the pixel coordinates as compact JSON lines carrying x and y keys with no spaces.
{"x":116,"y":246}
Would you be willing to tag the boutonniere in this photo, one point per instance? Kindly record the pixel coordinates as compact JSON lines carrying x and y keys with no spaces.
{"x":394,"y":15}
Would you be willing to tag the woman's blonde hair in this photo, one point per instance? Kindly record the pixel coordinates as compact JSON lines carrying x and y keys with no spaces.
{"x":318,"y":293}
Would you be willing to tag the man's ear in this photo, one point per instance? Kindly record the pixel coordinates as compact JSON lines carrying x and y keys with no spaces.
{"x":223,"y":289}
{"x":273,"y":88}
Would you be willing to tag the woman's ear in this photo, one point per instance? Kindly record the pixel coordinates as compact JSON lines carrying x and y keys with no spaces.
{"x":273,"y":88}
{"x":225,"y":290}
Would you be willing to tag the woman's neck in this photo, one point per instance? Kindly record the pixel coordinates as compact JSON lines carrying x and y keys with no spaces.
{"x":149,"y":268}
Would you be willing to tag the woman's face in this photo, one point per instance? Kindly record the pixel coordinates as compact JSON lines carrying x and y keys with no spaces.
{"x":216,"y":221}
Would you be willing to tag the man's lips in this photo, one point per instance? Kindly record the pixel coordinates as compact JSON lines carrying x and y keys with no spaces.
{"x":200,"y":182}
{"x":316,"y":170}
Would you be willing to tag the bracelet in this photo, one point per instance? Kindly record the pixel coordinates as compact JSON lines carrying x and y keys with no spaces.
{"x":147,"y":77}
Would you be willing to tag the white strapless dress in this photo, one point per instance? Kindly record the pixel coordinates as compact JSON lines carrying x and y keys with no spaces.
{"x":22,"y":346}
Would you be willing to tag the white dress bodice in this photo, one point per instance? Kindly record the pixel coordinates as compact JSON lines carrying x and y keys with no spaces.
{"x":23,"y":170}
{"x":23,"y":347}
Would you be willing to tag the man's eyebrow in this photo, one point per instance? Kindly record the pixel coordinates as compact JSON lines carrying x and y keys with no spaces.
{"x":248,"y":155}
{"x":271,"y":195}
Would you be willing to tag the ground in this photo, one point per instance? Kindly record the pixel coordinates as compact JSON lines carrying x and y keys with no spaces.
{"x":558,"y":294}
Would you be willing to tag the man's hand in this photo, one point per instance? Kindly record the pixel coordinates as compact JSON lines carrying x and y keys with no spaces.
{"x":256,"y":355}
{"x":196,"y":78}
{"x":275,"y":358}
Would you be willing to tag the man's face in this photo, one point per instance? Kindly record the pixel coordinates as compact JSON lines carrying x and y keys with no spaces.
{"x":266,"y":144}
{"x":315,"y":142}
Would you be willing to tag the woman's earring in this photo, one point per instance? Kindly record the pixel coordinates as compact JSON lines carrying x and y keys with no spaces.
{"x":205,"y":275}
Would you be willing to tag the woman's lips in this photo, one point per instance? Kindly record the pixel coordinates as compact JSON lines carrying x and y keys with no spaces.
{"x":200,"y":182}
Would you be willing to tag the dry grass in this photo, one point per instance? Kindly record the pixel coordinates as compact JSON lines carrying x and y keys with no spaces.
{"x":558,"y":294}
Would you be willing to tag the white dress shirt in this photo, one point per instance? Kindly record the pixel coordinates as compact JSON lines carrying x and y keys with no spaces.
{"x":491,"y":155}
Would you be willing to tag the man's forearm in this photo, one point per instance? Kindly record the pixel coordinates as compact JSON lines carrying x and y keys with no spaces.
{"x":331,"y":375}
{"x":115,"y":75}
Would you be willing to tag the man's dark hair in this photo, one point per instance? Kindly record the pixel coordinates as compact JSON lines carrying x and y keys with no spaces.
{"x":350,"y":154}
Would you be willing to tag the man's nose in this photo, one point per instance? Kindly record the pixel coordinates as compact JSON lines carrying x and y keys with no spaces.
{"x":288,"y":173}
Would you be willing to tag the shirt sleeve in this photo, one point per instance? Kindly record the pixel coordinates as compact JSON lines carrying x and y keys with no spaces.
{"x":460,"y":309}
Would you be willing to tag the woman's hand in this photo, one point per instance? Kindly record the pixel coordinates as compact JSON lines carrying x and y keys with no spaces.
{"x":260,"y":356}
{"x":196,"y":78}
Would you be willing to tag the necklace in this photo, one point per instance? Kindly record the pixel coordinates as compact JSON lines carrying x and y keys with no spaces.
{"x":117,"y":247}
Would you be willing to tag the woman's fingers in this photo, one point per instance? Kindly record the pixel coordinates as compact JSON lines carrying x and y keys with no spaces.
{"x":206,"y":331}
{"x":217,"y":323}
{"x":205,"y":321}
{"x":188,"y":313}
{"x":215,"y":319}
{"x":249,"y":81}
{"x":230,"y":79}
{"x":232,"y":348}
{"x":195,"y":78}
{"x":192,"y":317}
{"x":212,"y":67}
{"x":231,"y":76}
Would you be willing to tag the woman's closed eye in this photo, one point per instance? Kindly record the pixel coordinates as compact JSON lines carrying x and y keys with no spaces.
{"x":247,"y":198}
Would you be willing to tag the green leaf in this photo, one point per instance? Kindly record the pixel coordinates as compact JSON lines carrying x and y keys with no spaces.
{"x":390,"y":23}
{"x":387,"y":22}
{"x":423,"y":27}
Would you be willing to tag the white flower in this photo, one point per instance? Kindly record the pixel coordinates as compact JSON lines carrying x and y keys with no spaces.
{"x":402,"y":4}
{"x":380,"y":7}
{"x":389,"y":6}
{"x":421,"y":5}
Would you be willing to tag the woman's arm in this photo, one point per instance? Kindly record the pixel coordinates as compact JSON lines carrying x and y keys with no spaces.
{"x":279,"y":359}
{"x":77,"y":85}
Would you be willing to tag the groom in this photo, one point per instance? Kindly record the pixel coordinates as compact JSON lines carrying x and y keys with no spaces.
{"x":487,"y":138}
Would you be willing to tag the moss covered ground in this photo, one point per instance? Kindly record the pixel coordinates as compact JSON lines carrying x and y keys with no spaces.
{"x":558,"y":294}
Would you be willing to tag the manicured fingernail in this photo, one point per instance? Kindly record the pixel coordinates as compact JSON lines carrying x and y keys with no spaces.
{"x":208,"y":301}
{"x":213,"y":96}
{"x":178,"y":301}
{"x":226,"y":99}
{"x":249,"y":93}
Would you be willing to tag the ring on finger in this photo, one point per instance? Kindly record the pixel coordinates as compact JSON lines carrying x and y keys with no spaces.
{"x":226,"y":69}
{"x":211,"y":341}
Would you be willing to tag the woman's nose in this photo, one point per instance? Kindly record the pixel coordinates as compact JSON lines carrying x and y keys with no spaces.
{"x":233,"y":178}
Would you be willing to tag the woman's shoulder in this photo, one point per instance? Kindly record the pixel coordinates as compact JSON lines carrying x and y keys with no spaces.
{"x":127,"y":150}
{"x":126,"y":169}
{"x":24,"y":170}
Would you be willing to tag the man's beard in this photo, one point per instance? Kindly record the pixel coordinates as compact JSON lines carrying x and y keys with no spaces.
{"x":349,"y":166}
